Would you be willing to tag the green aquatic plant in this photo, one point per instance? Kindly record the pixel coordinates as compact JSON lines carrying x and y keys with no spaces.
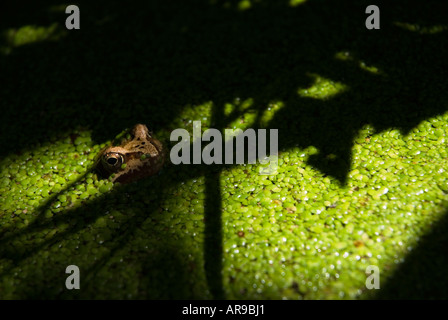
{"x":296,"y":234}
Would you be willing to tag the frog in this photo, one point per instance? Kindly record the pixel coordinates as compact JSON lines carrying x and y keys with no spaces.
{"x":137,"y":157}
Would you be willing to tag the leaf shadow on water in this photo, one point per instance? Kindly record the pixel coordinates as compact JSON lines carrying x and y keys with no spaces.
{"x":145,"y":62}
{"x":160,"y":264}
{"x":422,"y":275}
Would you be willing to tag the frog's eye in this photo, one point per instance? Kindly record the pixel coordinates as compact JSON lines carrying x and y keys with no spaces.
{"x":113,"y":160}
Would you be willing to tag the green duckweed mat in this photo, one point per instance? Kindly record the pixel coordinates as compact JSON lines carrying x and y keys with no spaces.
{"x":363,"y":131}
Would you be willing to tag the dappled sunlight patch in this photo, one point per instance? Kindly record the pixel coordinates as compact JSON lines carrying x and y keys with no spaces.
{"x":270,"y":112}
{"x":295,"y":234}
{"x":48,"y":176}
{"x":55,"y":211}
{"x":238,"y":106}
{"x":241,"y":113}
{"x":237,"y":114}
{"x":417,"y":28}
{"x":295,"y":3}
{"x":343,"y":56}
{"x":396,"y":191}
{"x":16,"y":37}
{"x":371,"y":69}
{"x":239,"y":5}
{"x":347,"y":56}
{"x":322,"y":88}
{"x":189,"y":113}
{"x":244,"y":5}
{"x":245,"y":114}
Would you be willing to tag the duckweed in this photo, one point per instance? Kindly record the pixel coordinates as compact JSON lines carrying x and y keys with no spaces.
{"x":362,"y":174}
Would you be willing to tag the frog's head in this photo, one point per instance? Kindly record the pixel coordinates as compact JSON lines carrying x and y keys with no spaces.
{"x":139,"y":156}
